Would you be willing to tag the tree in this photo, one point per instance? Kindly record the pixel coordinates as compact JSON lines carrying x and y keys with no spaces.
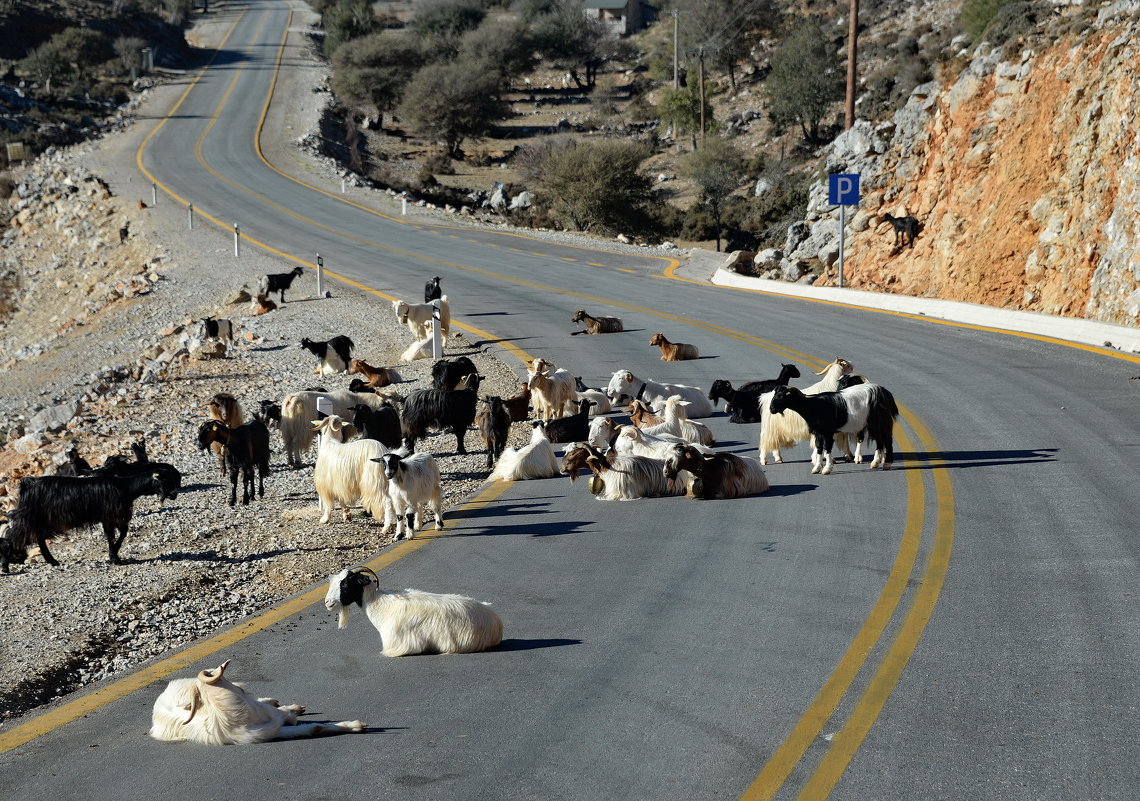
{"x":48,"y":63}
{"x":86,"y":48}
{"x":805,"y":80}
{"x":454,"y":100}
{"x":505,"y":44}
{"x":129,"y":50}
{"x":571,"y":40}
{"x":716,"y":167}
{"x":374,"y":70}
{"x":596,"y":185}
{"x":445,"y":21}
{"x":681,"y":108}
{"x":347,"y":20}
{"x":724,"y":28}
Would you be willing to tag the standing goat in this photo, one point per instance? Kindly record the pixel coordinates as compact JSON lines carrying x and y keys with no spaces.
{"x":446,"y":373}
{"x":518,"y":406}
{"x":432,"y":290}
{"x":222,"y":330}
{"x":49,"y":506}
{"x":413,"y":483}
{"x":418,"y":316}
{"x":552,"y":389}
{"x":346,"y":474}
{"x":279,"y":282}
{"x":717,"y":475}
{"x":596,"y":325}
{"x":246,"y":449}
{"x":299,"y":409}
{"x":533,"y":460}
{"x":382,"y":424}
{"x":783,"y":430}
{"x":413,"y":621}
{"x":334,"y":354}
{"x":494,"y":423}
{"x":212,"y":710}
{"x":224,"y":408}
{"x":674,"y":351}
{"x":906,"y":229}
{"x":441,"y":409}
{"x":866,"y":407}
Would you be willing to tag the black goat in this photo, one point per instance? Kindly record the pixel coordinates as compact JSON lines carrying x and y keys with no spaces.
{"x":494,"y":422}
{"x":117,"y":466}
{"x":865,"y":410}
{"x":441,"y":409}
{"x":432,"y":290}
{"x":446,"y":373}
{"x":906,"y":228}
{"x":279,"y":282}
{"x":269,"y":413}
{"x":574,"y":428}
{"x":744,"y":403}
{"x":382,"y":424}
{"x":335,"y":353}
{"x":75,"y":465}
{"x":52,"y":505}
{"x":247,"y":448}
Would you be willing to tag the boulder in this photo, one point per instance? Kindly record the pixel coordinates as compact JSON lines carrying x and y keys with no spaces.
{"x":53,"y":418}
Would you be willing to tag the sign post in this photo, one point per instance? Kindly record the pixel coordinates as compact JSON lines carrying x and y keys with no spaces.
{"x":320,"y":276}
{"x":842,"y":191}
{"x":436,"y":339}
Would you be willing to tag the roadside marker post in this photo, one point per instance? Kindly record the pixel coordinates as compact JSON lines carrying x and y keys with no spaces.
{"x":320,"y":276}
{"x":404,"y":200}
{"x":842,"y":191}
{"x":436,"y":339}
{"x":190,"y":216}
{"x":237,"y":241}
{"x":154,"y":194}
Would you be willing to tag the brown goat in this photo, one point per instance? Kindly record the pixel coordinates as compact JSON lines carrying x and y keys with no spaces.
{"x":262,"y":305}
{"x":224,"y":408}
{"x":674,"y":351}
{"x":578,"y":458}
{"x":641,"y":415}
{"x":717,"y":475}
{"x":375,"y":377}
{"x":596,"y":325}
{"x":518,"y":406}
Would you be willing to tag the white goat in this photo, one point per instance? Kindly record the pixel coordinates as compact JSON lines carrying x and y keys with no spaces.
{"x":601,"y":401}
{"x":213,"y":710}
{"x":417,"y":317}
{"x":627,"y":478}
{"x":678,"y":424}
{"x":533,"y":460}
{"x":299,"y":409}
{"x":640,"y":442}
{"x":413,"y":621}
{"x":345,"y":473}
{"x":413,"y":482}
{"x":783,"y":430}
{"x":626,"y":383}
{"x":602,"y":432}
{"x":420,"y":349}
{"x":552,"y":390}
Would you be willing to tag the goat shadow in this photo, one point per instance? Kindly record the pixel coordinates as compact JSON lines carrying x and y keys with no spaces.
{"x":491,"y":314}
{"x":509,"y":508}
{"x":788,"y":490}
{"x":553,"y":528}
{"x":266,"y":348}
{"x":980,"y":458}
{"x":516,"y":644}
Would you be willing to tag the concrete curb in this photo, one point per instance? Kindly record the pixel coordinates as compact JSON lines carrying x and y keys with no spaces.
{"x":1087,"y":332}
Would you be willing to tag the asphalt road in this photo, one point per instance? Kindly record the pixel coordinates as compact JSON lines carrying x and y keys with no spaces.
{"x":962,"y":627}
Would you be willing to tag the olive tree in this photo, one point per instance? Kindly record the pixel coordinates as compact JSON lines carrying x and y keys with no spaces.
{"x":454,"y":101}
{"x":374,"y":70}
{"x":806,"y":80}
{"x":717,"y":168}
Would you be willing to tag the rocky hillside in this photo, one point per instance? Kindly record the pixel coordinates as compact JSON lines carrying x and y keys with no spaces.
{"x":1022,"y":172}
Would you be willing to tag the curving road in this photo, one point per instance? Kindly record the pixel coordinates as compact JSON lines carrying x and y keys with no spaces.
{"x":963,"y":627}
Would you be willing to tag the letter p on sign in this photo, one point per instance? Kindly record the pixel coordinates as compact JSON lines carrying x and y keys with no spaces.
{"x":843,"y":189}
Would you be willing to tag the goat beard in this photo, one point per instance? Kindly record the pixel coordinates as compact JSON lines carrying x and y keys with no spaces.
{"x":342,"y":618}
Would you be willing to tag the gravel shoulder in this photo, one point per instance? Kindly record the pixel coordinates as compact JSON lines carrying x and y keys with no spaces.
{"x":96,"y":310}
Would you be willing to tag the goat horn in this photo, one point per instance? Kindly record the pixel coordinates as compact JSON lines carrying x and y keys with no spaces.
{"x":213,"y":676}
{"x":367,"y":570}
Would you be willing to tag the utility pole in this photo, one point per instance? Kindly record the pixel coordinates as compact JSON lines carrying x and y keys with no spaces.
{"x":852,"y":53}
{"x":676,"y":12}
{"x":701,"y":61}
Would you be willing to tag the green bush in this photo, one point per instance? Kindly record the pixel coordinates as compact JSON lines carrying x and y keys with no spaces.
{"x":439,"y":163}
{"x":597,"y":185}
{"x":976,"y":15}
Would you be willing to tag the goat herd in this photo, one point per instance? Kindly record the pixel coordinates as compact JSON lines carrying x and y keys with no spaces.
{"x":661,"y":451}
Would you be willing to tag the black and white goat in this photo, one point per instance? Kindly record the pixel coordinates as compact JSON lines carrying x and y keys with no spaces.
{"x":246,"y":449}
{"x":743,"y":404}
{"x":335,"y":354}
{"x":49,"y":506}
{"x":413,"y":483}
{"x":222,"y":330}
{"x":413,"y":621}
{"x":432,"y":290}
{"x":279,"y":282}
{"x":441,"y":409}
{"x":867,"y":408}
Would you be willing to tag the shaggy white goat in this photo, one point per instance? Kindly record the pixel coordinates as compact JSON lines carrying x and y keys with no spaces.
{"x":783,"y":430}
{"x":533,"y":460}
{"x":625,"y":383}
{"x":420,"y":349}
{"x":346,"y":473}
{"x":213,"y":710}
{"x":413,"y":621}
{"x":678,"y":424}
{"x":299,"y":409}
{"x":417,"y":317}
{"x":640,"y":442}
{"x":624,"y":477}
{"x":413,"y":482}
{"x":602,"y":432}
{"x":552,"y":390}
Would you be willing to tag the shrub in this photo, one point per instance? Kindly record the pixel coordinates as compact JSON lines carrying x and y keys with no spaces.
{"x":439,"y":163}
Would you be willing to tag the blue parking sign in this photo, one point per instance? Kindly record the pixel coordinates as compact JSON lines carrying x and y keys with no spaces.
{"x":843,"y":189}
